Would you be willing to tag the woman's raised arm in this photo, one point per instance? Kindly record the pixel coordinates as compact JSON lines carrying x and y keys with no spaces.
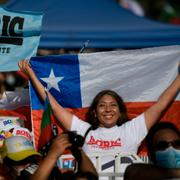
{"x":62,"y":115}
{"x":154,"y":112}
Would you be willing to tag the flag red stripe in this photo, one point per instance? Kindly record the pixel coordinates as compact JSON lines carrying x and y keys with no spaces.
{"x":134,"y":109}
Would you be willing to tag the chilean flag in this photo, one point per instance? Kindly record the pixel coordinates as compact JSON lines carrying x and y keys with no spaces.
{"x":139,"y":76}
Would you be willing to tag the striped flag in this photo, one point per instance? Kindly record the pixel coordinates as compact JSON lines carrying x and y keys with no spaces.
{"x":139,"y":76}
{"x":46,"y":133}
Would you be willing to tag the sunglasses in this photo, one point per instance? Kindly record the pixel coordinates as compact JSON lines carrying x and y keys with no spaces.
{"x":162,"y":145}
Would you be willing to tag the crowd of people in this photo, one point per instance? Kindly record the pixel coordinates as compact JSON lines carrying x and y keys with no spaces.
{"x":107,"y":129}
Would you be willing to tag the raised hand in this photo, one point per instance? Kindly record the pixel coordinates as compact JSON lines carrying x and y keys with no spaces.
{"x":60,"y":144}
{"x":25,"y":66}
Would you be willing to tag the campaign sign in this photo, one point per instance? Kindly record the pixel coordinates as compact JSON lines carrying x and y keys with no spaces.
{"x":19,"y":37}
{"x":9,"y":122}
{"x":19,"y":131}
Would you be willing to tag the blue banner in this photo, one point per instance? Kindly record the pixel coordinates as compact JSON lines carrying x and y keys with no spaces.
{"x":19,"y":37}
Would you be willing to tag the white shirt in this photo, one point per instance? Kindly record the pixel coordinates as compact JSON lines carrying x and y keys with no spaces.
{"x":118,"y":139}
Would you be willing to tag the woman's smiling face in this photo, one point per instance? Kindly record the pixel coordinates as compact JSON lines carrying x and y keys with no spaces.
{"x":107,"y":111}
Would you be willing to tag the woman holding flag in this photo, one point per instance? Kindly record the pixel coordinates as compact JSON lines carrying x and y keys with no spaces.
{"x":107,"y":128}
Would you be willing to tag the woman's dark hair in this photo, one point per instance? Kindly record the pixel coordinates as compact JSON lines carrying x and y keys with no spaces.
{"x":93,"y":120}
{"x":153,"y":130}
{"x":86,"y":175}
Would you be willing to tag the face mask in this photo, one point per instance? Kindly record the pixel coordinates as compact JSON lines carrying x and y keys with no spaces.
{"x":169,"y":158}
{"x":10,"y":80}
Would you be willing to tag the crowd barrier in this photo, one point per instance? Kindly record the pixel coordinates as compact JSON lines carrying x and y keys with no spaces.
{"x":109,"y":166}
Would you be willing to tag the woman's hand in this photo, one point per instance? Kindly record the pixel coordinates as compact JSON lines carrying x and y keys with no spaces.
{"x":25,"y":67}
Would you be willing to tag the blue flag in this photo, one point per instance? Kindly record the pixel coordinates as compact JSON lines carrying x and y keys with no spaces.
{"x":19,"y":37}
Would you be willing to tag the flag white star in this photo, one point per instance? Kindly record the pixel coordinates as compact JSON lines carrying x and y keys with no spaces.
{"x":52,"y":81}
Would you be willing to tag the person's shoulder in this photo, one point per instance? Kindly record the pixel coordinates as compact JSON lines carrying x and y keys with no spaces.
{"x":136,"y":120}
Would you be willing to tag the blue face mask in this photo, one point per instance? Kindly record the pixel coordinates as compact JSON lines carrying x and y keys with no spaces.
{"x":169,"y":158}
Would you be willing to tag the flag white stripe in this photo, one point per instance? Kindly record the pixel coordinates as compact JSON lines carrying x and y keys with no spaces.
{"x":137,"y":75}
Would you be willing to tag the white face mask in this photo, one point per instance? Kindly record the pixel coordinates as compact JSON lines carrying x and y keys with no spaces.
{"x":10,"y":80}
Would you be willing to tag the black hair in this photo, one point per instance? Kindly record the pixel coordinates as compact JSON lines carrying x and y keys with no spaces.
{"x":86,"y":175}
{"x":70,"y":175}
{"x":153,"y":130}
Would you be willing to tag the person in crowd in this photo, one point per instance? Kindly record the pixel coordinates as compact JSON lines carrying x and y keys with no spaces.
{"x":163,"y":143}
{"x":19,"y":157}
{"x":107,"y":128}
{"x":46,"y":169}
{"x":8,"y":81}
{"x":15,"y":80}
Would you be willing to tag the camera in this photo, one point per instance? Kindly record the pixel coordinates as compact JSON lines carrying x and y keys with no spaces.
{"x":75,"y":139}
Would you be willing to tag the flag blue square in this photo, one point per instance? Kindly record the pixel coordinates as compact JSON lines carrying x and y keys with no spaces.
{"x":61,"y":76}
